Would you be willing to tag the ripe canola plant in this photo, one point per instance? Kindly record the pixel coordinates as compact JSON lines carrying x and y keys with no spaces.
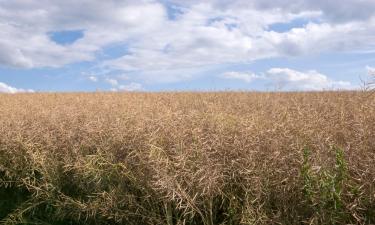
{"x":187,"y":158}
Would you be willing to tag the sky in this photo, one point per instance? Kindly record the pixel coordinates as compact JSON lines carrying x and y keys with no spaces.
{"x":178,"y":45}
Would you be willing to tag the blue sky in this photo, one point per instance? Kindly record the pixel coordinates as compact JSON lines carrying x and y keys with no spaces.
{"x":89,"y":45}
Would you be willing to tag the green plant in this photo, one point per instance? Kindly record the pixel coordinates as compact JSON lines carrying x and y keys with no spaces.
{"x":324,"y":187}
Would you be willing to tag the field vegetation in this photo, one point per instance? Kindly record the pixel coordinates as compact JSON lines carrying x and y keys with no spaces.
{"x":187,"y":158}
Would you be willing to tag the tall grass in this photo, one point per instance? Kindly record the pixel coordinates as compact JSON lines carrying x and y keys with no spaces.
{"x":187,"y":158}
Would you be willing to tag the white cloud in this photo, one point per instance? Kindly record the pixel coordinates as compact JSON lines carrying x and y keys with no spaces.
{"x":370,"y":71}
{"x":93,"y":78}
{"x":316,"y":38}
{"x":243,"y":76}
{"x":203,"y":34}
{"x":310,"y":80}
{"x":334,"y":10}
{"x":289,"y":79}
{"x":213,"y":34}
{"x":112,"y":82}
{"x":12,"y":56}
{"x":131,"y":87}
{"x":4,"y":88}
{"x":116,"y":86}
{"x":22,"y":46}
{"x":24,"y":28}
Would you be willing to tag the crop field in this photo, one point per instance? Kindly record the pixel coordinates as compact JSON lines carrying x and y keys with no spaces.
{"x":187,"y":158}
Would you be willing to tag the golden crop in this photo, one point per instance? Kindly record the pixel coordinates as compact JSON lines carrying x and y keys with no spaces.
{"x":187,"y":158}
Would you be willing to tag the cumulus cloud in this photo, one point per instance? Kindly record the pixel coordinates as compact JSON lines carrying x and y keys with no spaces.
{"x":25,"y":28}
{"x":93,"y":78}
{"x":243,"y":76}
{"x":117,"y":86}
{"x":4,"y":88}
{"x":216,"y":33}
{"x":334,"y":10}
{"x":13,"y":56}
{"x":133,"y":86}
{"x":310,"y":80}
{"x":112,"y":82}
{"x":289,"y":79}
{"x":370,"y":71}
{"x":200,"y":34}
{"x":23,"y":47}
{"x":317,"y":38}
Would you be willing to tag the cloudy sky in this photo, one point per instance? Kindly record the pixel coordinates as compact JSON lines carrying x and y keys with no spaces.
{"x":135,"y":45}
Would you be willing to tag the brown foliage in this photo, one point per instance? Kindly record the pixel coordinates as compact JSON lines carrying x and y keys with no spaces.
{"x":186,"y":158}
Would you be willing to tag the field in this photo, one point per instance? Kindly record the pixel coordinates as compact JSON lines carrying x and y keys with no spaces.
{"x":187,"y":158}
